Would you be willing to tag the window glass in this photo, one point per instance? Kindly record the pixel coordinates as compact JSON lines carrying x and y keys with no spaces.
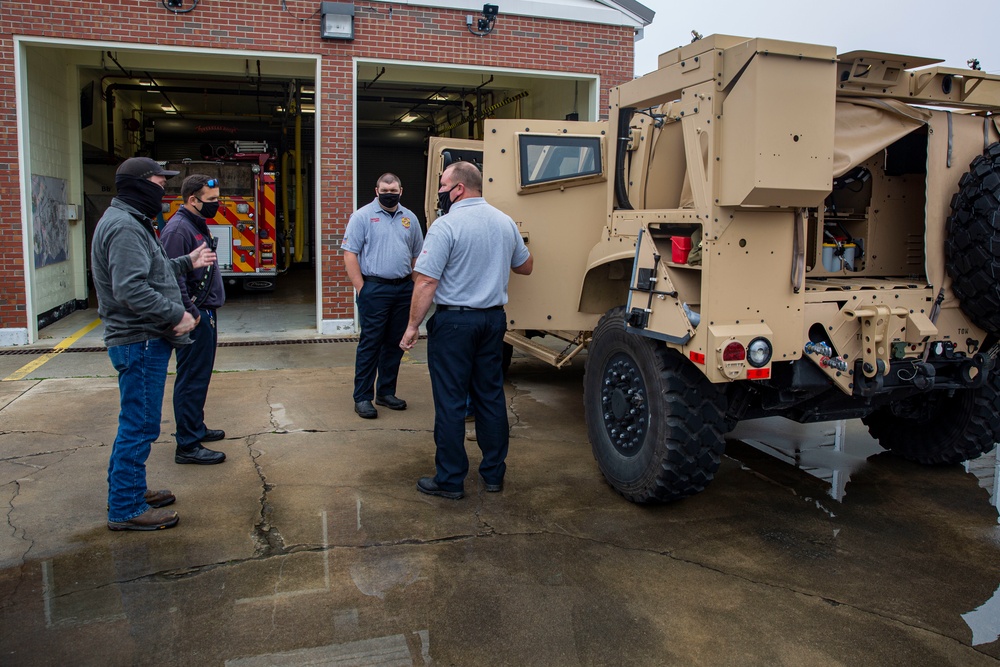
{"x":554,"y":158}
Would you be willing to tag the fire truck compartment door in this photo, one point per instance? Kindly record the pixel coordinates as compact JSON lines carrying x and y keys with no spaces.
{"x":224,"y":249}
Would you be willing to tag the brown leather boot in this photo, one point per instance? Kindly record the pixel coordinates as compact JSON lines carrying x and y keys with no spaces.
{"x":151,"y":519}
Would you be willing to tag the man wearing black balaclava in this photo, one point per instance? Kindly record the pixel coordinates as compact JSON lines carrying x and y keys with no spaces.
{"x":140,"y":305}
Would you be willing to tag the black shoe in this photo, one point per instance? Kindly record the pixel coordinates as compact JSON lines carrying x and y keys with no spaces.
{"x":429,"y":486}
{"x":391,"y":402}
{"x":212,"y":435}
{"x":365,"y":410}
{"x":492,"y":488}
{"x":200,"y":455}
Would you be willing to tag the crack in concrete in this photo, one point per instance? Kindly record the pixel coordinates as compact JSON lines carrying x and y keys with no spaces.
{"x":517,"y":393}
{"x":267,"y":538}
{"x":23,"y":536}
{"x":491,"y":532}
{"x":71,"y":450}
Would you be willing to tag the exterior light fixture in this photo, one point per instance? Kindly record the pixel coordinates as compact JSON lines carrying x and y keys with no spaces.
{"x":337,"y":20}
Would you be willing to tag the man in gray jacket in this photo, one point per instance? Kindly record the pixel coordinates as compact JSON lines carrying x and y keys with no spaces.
{"x":140,"y":304}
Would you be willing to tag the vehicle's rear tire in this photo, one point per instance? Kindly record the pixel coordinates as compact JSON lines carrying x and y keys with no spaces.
{"x":655,"y":422}
{"x":940,"y":428}
{"x":972,"y":254}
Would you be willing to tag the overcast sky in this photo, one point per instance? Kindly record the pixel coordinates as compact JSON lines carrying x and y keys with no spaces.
{"x":952,"y":31}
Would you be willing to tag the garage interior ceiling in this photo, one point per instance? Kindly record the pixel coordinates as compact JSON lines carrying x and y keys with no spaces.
{"x":408,"y":100}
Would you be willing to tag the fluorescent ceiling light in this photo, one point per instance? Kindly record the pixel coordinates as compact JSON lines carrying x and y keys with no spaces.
{"x":410,"y":117}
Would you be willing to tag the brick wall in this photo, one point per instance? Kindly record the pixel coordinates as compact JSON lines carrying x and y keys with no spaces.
{"x":412,"y":33}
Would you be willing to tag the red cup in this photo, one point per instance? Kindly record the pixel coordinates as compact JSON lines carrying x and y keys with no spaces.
{"x":681,"y":248}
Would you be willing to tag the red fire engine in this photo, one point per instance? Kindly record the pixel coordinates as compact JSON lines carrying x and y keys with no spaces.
{"x":245,"y":226}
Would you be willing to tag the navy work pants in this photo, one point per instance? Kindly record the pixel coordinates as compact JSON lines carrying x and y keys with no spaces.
{"x":194,"y":371}
{"x":383,"y":311}
{"x":465,"y":360}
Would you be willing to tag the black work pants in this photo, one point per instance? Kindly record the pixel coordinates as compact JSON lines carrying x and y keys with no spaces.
{"x":383,"y":311}
{"x":194,"y":372}
{"x":465,"y":360}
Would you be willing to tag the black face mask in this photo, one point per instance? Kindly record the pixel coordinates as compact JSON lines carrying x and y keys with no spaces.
{"x":209,"y":209}
{"x":142,"y":195}
{"x":388,"y":199}
{"x":444,"y":200}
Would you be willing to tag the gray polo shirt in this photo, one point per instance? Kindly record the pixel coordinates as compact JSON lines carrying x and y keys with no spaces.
{"x":385,"y":243}
{"x":470,"y":252}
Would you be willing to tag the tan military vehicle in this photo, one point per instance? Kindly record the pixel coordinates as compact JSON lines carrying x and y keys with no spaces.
{"x":763,"y":228}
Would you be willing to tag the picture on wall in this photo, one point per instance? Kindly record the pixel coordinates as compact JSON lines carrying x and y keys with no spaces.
{"x":51,"y":230}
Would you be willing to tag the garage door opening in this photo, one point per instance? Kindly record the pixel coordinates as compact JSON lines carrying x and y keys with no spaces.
{"x":401,"y":105}
{"x":247,"y":121}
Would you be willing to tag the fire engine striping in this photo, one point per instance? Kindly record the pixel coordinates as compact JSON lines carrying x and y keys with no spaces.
{"x":60,"y":347}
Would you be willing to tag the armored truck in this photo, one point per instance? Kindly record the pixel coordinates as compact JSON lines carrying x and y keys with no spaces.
{"x":762,"y":228}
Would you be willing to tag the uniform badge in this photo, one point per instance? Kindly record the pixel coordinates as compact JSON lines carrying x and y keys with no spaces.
{"x":406,"y":222}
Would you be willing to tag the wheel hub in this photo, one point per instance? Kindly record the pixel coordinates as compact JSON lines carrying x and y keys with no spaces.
{"x":624,"y":405}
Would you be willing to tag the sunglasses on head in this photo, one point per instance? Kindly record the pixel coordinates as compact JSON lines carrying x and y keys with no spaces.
{"x":212,"y":182}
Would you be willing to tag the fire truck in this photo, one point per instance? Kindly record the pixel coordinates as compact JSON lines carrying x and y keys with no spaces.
{"x":246,"y":225}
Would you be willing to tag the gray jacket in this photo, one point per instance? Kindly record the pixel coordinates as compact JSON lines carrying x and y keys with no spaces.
{"x":137,"y":293}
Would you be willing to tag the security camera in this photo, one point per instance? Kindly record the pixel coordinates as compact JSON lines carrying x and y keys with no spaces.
{"x":490,"y":11}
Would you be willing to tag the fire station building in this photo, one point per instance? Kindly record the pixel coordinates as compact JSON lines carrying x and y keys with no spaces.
{"x":298,"y":104}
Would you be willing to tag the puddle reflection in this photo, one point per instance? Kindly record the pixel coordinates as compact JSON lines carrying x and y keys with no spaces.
{"x":114,"y":603}
{"x":832,"y":451}
{"x":984,"y":621}
{"x":829,"y":451}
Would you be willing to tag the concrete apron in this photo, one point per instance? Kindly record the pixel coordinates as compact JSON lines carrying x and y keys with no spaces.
{"x":311,"y":545}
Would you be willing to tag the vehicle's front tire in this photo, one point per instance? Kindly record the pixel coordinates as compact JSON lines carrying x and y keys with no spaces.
{"x":655,"y":422}
{"x":939,"y":427}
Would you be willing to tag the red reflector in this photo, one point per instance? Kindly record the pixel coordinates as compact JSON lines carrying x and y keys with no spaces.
{"x":734,"y":352}
{"x":698,"y":358}
{"x":758,"y":373}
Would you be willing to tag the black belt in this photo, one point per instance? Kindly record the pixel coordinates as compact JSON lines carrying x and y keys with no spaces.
{"x":387,"y":281}
{"x":464,"y":308}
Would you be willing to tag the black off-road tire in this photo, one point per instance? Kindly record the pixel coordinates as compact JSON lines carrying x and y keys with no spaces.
{"x":971,"y":248}
{"x":938,"y":429}
{"x":655,"y":422}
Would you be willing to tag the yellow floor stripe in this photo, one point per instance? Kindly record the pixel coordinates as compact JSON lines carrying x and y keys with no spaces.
{"x":20,"y":373}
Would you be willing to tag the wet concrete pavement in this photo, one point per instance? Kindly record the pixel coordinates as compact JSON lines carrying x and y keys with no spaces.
{"x":311,"y":545}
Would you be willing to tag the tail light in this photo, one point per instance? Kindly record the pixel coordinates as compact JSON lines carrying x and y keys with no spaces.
{"x":734,"y":352}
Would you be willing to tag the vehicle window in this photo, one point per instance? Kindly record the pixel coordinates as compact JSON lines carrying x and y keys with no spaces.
{"x":554,"y":158}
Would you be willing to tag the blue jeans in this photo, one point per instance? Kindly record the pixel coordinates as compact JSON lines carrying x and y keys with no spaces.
{"x":194,"y":372}
{"x":465,"y":360}
{"x":383,"y":312}
{"x":142,"y":374}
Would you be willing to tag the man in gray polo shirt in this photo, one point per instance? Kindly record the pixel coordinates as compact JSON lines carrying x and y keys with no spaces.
{"x":464,"y":268}
{"x":381,"y":242}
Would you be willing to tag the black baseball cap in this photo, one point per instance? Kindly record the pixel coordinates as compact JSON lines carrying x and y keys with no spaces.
{"x":143,"y":167}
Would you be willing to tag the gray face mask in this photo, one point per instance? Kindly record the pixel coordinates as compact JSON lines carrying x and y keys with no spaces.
{"x":388,"y":199}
